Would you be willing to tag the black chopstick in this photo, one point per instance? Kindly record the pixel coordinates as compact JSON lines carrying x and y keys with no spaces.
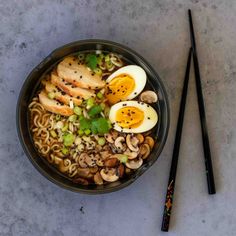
{"x":174,"y":162}
{"x":205,"y":138}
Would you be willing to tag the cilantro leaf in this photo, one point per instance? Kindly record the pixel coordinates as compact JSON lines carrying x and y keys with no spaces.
{"x":100,"y":125}
{"x":91,"y":61}
{"x":95,"y":110}
{"x":84,"y":123}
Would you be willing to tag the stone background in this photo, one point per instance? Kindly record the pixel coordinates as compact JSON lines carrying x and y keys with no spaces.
{"x":158,"y":29}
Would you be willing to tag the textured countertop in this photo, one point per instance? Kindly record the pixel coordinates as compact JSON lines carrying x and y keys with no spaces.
{"x":30,"y":205}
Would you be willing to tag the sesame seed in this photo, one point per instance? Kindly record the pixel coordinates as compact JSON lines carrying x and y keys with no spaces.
{"x":75,"y":71}
{"x":149,"y":118}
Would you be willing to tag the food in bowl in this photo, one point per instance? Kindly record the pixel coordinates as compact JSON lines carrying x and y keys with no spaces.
{"x":92,"y":117}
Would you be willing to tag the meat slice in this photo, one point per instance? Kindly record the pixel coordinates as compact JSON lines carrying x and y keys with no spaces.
{"x":53,"y":105}
{"x":70,"y":89}
{"x":61,"y":95}
{"x":79,"y":75}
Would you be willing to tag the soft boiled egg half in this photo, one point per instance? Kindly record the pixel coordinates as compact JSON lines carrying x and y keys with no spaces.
{"x":125,"y":83}
{"x":132,"y":117}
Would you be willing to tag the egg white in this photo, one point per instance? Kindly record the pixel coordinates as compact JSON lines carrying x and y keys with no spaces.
{"x":135,"y":72}
{"x":146,"y":125}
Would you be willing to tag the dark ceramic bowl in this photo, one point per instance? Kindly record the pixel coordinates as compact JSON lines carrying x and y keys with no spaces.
{"x":30,"y":87}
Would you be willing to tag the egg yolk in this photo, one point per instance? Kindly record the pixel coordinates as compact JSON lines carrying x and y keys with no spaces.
{"x":129,"y":117}
{"x":120,"y":88}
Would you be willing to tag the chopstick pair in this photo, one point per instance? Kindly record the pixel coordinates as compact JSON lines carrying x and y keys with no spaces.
{"x":205,"y":138}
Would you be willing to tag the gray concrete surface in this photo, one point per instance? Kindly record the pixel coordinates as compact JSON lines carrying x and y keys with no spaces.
{"x":158,"y":29}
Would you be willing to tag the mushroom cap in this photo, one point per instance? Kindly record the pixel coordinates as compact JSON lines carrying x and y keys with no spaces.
{"x":134,"y":164}
{"x":148,"y":96}
{"x":119,"y":143}
{"x":98,"y":178}
{"x":150,"y":141}
{"x":131,"y":155}
{"x":144,"y":150}
{"x":109,"y":174}
{"x":82,"y":160}
{"x":132,"y":143}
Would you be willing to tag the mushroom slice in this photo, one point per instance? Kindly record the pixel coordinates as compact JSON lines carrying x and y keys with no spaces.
{"x":93,"y":170}
{"x":98,"y":179}
{"x":105,"y":154}
{"x":84,"y":172}
{"x":131,"y":155}
{"x":109,"y":138}
{"x":144,"y":150}
{"x":111,"y":162}
{"x":99,"y":160}
{"x":140,"y":138}
{"x":121,"y":170}
{"x":150,"y":141}
{"x":90,"y":160}
{"x":82,"y":161}
{"x":109,"y":174}
{"x":81,"y":181}
{"x":148,"y":96}
{"x":132,"y":143}
{"x":134,"y":164}
{"x":119,"y":143}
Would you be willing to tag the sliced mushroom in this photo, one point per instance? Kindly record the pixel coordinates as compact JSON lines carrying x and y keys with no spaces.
{"x":93,"y":170}
{"x":90,"y":160}
{"x":128,"y":171}
{"x":90,"y":145}
{"x":148,"y":96}
{"x":81,"y":181}
{"x":109,"y":174}
{"x":144,"y":151}
{"x":98,"y":148}
{"x":106,"y":148}
{"x":105,"y":154}
{"x":150,"y":141}
{"x":84,"y":172}
{"x":132,"y":143}
{"x":114,"y":134}
{"x":98,"y":179}
{"x":82,"y":161}
{"x":121,"y":170}
{"x":134,"y":164}
{"x":119,"y":143}
{"x":131,"y":155}
{"x":109,"y":138}
{"x":99,"y":160}
{"x":140,"y":138}
{"x":64,"y":165}
{"x":111,"y":162}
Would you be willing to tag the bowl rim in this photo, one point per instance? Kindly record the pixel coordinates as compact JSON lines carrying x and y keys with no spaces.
{"x":40,"y":65}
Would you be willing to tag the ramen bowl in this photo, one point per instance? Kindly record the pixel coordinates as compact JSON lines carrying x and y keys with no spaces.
{"x":31,"y":85}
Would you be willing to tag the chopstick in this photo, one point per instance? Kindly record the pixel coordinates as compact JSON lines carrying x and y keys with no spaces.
{"x":205,"y":138}
{"x":174,"y":162}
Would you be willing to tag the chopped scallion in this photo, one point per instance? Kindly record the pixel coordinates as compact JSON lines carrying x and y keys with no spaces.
{"x":51,"y":95}
{"x":53,"y":133}
{"x":98,"y":71}
{"x":101,"y":141}
{"x":72,"y":118}
{"x":65,"y":151}
{"x":99,"y":95}
{"x":65,"y":127}
{"x":58,"y":117}
{"x":87,"y":131}
{"x":78,"y":111}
